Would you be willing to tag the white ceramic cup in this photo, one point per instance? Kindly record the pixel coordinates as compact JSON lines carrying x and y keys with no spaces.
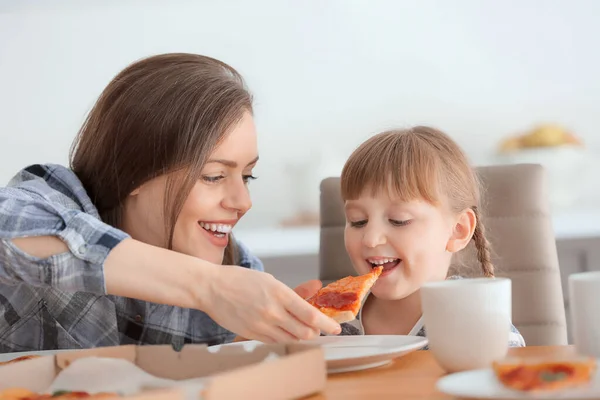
{"x":467,"y":321}
{"x":584,"y":304}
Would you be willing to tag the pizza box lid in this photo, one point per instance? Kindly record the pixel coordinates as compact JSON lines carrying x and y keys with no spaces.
{"x":232,"y":372}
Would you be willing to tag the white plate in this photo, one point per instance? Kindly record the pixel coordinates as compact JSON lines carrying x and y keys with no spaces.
{"x":482,"y":384}
{"x":354,"y":353}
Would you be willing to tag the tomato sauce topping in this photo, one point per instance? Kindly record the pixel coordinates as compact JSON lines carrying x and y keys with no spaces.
{"x":336,"y":300}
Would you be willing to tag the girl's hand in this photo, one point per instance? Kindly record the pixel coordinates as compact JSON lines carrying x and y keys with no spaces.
{"x":308,"y":289}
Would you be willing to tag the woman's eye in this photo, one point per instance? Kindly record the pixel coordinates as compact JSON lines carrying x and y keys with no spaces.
{"x":248,"y":178}
{"x":358,"y":224}
{"x":212,"y":179}
{"x":399,"y":223}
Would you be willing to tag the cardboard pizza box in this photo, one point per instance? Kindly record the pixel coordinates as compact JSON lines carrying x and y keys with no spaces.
{"x":281,"y":371}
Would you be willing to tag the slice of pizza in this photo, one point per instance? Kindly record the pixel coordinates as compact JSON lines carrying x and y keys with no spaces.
{"x":342,"y":299}
{"x":24,"y":394}
{"x":533,"y":375}
{"x":16,"y":394}
{"x":19,"y":359}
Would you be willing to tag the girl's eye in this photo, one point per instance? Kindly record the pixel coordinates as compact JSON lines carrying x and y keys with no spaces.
{"x":399,"y":223}
{"x":212,"y":179}
{"x":358,"y":224}
{"x":248,"y":178}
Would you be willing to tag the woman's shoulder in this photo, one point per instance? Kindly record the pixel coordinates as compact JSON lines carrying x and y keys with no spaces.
{"x":52,"y":183}
{"x":44,"y":172}
{"x":48,"y":182}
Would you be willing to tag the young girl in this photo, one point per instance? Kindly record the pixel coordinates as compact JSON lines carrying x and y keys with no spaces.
{"x":411,"y":202}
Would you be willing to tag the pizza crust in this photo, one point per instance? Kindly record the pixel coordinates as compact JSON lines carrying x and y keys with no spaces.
{"x":19,"y":359}
{"x":24,"y":394}
{"x":339,"y":316}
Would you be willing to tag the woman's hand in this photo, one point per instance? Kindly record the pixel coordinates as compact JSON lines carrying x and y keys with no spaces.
{"x":304,"y":290}
{"x":257,"y":306}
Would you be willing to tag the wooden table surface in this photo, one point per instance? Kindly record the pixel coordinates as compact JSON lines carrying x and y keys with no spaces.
{"x":412,"y":376}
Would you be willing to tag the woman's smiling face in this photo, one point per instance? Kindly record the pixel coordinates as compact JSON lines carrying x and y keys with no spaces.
{"x":214,"y":205}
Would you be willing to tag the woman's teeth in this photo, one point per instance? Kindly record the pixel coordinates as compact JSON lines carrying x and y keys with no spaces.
{"x":218,"y":230}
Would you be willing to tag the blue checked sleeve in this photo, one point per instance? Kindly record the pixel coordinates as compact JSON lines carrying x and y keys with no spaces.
{"x":35,"y":209}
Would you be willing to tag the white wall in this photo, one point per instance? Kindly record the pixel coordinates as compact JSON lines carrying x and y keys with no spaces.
{"x":325,"y":74}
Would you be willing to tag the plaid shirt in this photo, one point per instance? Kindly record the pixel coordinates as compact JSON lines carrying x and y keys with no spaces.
{"x":60,"y":302}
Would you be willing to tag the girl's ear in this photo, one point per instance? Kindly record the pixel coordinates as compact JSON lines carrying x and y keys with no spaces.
{"x":462,"y":232}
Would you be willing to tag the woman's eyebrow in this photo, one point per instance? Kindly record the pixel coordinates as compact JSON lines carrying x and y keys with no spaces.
{"x":229,"y":163}
{"x":252,"y":162}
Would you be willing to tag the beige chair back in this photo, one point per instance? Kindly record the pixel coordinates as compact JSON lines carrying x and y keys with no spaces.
{"x":518,"y":226}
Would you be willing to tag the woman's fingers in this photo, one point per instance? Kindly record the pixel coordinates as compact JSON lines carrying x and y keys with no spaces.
{"x":312,"y":317}
{"x":263,"y":338}
{"x":283,"y":336}
{"x":299,"y":330}
{"x":257,"y":306}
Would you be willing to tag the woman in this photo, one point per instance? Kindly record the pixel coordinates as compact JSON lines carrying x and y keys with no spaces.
{"x":126,"y":246}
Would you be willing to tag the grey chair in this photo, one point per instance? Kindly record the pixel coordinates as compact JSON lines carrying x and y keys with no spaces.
{"x":518,"y":226}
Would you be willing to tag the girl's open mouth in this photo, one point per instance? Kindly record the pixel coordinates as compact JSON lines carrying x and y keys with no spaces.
{"x":388,"y":264}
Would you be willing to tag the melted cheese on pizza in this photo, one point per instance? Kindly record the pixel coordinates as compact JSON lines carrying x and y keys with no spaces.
{"x":544,"y":375}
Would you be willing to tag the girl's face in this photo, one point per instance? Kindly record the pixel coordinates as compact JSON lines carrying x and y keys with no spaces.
{"x":413,"y":241}
{"x":215,"y":204}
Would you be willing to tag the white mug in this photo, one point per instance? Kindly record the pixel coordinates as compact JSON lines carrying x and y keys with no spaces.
{"x":467,"y":321}
{"x":584,"y":303}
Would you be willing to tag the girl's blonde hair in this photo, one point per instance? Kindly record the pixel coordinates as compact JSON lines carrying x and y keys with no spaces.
{"x":418,"y":163}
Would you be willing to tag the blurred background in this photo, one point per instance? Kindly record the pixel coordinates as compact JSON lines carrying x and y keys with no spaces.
{"x":511,"y":81}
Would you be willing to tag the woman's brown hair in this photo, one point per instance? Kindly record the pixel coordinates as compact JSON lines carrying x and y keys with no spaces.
{"x":418,"y":163}
{"x":161,"y":114}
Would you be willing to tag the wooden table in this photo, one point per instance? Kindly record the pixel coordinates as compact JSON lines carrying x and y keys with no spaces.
{"x":410,"y":377}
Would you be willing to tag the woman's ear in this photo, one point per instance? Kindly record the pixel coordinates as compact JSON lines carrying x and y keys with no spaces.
{"x":137,"y":189}
{"x":462,"y":232}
